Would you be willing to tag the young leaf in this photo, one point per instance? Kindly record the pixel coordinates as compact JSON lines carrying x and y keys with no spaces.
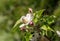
{"x":44,"y":27}
{"x":40,"y":12}
{"x":37,"y":15}
{"x":14,"y":27}
{"x":47,"y":28}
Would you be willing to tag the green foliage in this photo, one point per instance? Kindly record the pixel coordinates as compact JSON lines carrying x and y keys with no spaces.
{"x":45,"y":22}
{"x":14,"y":27}
{"x":37,"y":15}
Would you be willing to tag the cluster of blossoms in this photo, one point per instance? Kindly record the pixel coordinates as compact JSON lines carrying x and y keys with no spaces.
{"x":26,"y":20}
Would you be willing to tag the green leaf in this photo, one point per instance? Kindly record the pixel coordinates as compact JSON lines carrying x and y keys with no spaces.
{"x":40,"y":12}
{"x":14,"y":27}
{"x":28,"y":36}
{"x":50,"y":20}
{"x":37,"y":15}
{"x":50,"y":29}
{"x":47,"y":28}
{"x":18,"y":21}
{"x":44,"y":27}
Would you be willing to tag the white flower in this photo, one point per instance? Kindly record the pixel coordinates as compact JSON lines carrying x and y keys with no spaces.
{"x":58,"y":33}
{"x":22,"y":25}
{"x":26,"y":19}
{"x":29,"y":17}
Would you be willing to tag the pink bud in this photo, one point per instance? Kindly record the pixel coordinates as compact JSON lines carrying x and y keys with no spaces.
{"x":30,"y":10}
{"x":22,"y":28}
{"x":31,"y":23}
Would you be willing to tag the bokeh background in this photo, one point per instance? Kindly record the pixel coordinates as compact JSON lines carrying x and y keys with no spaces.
{"x":12,"y":10}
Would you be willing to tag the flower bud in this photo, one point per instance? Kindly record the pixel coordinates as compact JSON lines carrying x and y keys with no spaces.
{"x":30,"y":10}
{"x":31,"y":23}
{"x":22,"y":28}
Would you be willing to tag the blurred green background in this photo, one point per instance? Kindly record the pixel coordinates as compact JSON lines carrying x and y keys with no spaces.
{"x":12,"y":10}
